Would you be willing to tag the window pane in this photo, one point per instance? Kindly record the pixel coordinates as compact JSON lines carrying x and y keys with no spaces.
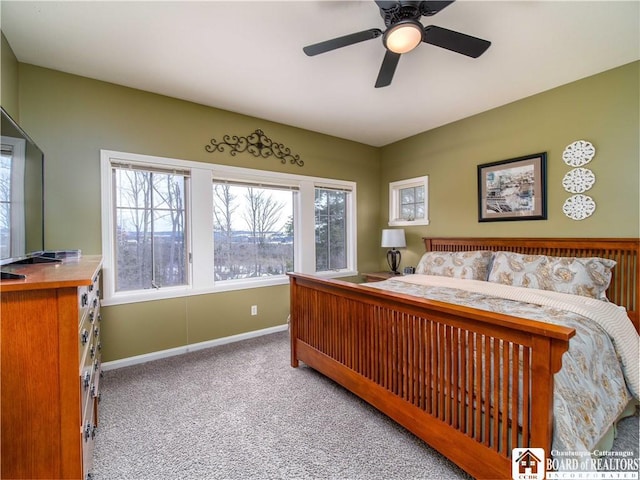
{"x":150,"y":229}
{"x":5,"y":205}
{"x":407,"y":195}
{"x":331,"y":229}
{"x":408,"y":212}
{"x":252,"y":231}
{"x":412,"y":203}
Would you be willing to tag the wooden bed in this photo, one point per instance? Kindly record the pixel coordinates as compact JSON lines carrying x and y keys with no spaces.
{"x":417,"y":360}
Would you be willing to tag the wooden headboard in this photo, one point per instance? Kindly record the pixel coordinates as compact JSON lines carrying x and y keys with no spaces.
{"x":624,"y":289}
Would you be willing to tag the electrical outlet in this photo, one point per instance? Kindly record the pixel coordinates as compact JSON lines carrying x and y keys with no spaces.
{"x":254,"y":309}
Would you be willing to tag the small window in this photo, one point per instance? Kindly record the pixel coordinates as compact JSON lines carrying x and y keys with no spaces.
{"x":408,"y":202}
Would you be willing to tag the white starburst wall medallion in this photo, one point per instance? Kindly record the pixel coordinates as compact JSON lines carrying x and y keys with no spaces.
{"x":579,"y":207}
{"x":578,"y":153}
{"x":578,"y":180}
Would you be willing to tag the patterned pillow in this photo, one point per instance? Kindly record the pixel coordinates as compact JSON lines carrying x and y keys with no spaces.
{"x":588,"y":277}
{"x":470,"y":265}
{"x":519,"y":270}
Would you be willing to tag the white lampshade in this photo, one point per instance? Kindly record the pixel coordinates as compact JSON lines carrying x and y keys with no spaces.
{"x":393,"y":238}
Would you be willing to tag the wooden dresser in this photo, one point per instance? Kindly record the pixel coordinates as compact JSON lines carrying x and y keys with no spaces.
{"x":50,"y":353}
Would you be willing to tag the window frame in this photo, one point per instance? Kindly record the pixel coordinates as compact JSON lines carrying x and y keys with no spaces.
{"x":185,"y":174}
{"x":199,"y":227}
{"x":395,"y":188}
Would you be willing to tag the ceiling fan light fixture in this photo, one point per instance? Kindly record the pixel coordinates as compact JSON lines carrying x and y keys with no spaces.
{"x":403,"y":37}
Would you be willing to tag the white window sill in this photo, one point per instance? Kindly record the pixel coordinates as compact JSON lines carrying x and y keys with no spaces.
{"x":219,"y":287}
{"x":407,"y":223}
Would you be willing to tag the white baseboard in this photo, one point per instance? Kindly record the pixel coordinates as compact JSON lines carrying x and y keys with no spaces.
{"x":147,"y":357}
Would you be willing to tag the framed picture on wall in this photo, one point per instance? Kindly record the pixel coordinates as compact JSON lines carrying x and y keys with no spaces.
{"x":513,"y":189}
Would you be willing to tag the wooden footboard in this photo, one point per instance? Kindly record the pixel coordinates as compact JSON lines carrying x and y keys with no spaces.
{"x":472,"y":384}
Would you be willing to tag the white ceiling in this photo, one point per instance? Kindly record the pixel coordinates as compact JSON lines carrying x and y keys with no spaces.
{"x":247,"y":57}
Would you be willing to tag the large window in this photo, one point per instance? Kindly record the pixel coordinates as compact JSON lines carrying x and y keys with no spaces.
{"x":174,"y":227}
{"x":331,"y":229}
{"x":150,"y":236}
{"x":252,"y":231}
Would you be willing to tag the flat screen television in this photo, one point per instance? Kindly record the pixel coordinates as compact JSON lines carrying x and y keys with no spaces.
{"x":21,"y":195}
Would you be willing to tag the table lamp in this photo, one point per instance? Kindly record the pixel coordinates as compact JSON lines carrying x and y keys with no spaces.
{"x":393,"y":238}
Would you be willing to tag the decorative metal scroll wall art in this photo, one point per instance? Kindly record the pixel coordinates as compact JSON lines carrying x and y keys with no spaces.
{"x":578,"y":180}
{"x":257,"y":144}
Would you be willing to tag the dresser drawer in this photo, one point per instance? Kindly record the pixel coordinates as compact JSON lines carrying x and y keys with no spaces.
{"x":87,"y":377}
{"x":83,"y":302}
{"x":85,"y":335}
{"x":87,"y":438}
{"x":97,"y":376}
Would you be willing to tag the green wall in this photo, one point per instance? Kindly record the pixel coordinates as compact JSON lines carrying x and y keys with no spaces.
{"x":72,"y":118}
{"x":8,"y":79}
{"x":602,"y":109}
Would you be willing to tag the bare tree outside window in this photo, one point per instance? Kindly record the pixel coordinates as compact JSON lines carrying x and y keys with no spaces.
{"x":253,"y":235}
{"x":150,"y":229}
{"x":173,"y":227}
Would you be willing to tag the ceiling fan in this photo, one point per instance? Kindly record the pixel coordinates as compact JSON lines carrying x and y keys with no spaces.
{"x":404,"y":32}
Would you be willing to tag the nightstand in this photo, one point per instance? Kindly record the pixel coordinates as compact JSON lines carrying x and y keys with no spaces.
{"x":379,"y":276}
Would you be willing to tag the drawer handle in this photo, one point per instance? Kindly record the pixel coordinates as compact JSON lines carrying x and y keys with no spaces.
{"x":84,"y":337}
{"x":84,"y":300}
{"x":92,"y":351}
{"x":96,"y":332}
{"x":91,"y":316}
{"x":86,"y":379}
{"x":87,"y":431}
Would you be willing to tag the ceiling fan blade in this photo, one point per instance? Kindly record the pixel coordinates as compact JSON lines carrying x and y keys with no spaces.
{"x":387,"y":69}
{"x":455,"y":41}
{"x":340,"y":42}
{"x":429,"y":8}
{"x":385,"y":4}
